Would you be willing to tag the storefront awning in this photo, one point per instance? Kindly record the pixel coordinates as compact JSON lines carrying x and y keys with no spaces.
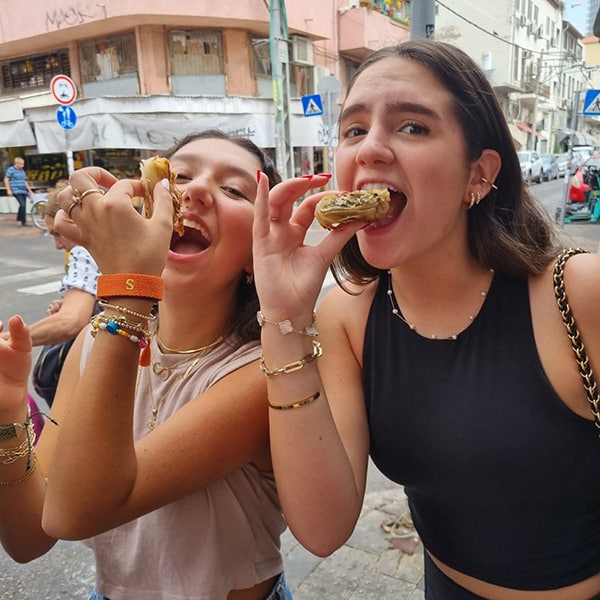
{"x":578,"y":138}
{"x":155,"y":123}
{"x":16,"y":133}
{"x":524,"y":127}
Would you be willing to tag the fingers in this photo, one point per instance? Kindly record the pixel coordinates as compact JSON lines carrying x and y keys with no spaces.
{"x":19,"y":334}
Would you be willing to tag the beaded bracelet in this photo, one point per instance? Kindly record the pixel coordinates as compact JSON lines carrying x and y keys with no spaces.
{"x":286,"y":327}
{"x":297,"y":404}
{"x":130,"y":284}
{"x":294,"y":366}
{"x":30,"y":471}
{"x":126,"y":311}
{"x":115,"y":327}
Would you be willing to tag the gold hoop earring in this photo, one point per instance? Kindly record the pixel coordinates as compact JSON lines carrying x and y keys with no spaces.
{"x":472,"y":199}
{"x":478,"y":199}
{"x":493,"y":186}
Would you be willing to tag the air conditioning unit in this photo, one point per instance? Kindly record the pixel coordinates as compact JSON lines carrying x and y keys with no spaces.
{"x":302,"y":50}
{"x":522,"y":20}
{"x":539,"y":34}
{"x":529,"y":29}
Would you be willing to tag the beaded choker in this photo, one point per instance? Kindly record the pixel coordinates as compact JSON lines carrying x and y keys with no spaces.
{"x":396,"y":311}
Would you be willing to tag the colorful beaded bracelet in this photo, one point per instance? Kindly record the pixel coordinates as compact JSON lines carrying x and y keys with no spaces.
{"x":112,"y":327}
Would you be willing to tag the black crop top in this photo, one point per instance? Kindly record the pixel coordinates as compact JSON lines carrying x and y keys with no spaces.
{"x":503,"y":480}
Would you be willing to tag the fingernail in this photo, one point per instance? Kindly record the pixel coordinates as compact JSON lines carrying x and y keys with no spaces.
{"x":328,"y":175}
{"x":307,"y":176}
{"x":165,"y":183}
{"x":258,"y":176}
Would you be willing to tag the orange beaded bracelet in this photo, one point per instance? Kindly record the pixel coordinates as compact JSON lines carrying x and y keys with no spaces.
{"x":130,"y":284}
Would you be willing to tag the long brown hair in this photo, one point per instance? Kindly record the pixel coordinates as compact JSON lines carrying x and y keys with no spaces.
{"x":509,"y":232}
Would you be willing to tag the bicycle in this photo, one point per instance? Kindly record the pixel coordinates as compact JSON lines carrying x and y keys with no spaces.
{"x":38,"y":208}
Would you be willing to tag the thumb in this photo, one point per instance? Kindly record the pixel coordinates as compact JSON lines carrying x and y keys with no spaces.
{"x":19,"y":334}
{"x":163,"y":202}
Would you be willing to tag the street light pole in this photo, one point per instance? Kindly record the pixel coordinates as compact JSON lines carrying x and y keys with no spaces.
{"x":280,"y":65}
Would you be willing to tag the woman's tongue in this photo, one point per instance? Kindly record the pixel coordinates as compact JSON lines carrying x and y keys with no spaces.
{"x":187,"y":247}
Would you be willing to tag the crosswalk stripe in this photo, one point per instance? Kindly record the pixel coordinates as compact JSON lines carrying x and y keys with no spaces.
{"x":35,"y":274}
{"x":41,"y":290}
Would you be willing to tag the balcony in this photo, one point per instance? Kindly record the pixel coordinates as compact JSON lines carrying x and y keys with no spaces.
{"x":364,"y":30}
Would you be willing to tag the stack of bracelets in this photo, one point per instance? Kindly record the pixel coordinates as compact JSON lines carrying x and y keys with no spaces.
{"x":127,"y":285}
{"x":285,"y":328}
{"x":24,"y":449}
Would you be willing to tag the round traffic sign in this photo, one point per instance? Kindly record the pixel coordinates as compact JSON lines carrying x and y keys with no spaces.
{"x":63,"y":89}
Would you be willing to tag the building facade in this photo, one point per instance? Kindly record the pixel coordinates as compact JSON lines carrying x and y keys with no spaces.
{"x":149,"y":72}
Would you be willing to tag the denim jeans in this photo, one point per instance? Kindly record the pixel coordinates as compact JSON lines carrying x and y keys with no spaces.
{"x":281,"y":591}
{"x":22,"y":210}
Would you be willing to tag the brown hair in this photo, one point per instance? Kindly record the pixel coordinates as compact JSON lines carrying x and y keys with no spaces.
{"x":509,"y":232}
{"x":52,"y":205}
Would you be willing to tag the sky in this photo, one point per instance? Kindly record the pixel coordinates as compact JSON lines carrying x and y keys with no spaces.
{"x":575,"y":13}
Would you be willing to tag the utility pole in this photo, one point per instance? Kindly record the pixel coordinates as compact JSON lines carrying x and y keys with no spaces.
{"x":280,"y":70}
{"x":422,"y":19}
{"x":534,"y":138}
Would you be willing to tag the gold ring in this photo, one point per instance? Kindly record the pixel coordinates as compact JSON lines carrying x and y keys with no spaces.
{"x":75,"y":203}
{"x":88,"y":192}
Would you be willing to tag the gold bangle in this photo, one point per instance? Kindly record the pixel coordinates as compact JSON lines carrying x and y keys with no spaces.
{"x":294,"y":366}
{"x":297,"y":404}
{"x":25,"y":477}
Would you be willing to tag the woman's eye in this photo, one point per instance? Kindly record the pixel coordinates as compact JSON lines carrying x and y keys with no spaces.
{"x":181,"y":178}
{"x":234,"y":192}
{"x":414,"y":128}
{"x":354,"y":132}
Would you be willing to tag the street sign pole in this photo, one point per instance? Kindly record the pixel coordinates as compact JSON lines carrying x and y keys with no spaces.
{"x":330,"y":88}
{"x":64,"y":90}
{"x":69,"y":147}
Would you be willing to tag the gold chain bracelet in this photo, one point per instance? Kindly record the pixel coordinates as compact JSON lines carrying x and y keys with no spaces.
{"x":293,"y":366}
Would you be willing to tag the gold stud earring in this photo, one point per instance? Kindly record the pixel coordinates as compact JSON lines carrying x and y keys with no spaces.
{"x":249,"y":278}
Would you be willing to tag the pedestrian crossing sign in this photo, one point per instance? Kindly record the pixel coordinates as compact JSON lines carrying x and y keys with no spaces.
{"x":312,"y":105}
{"x":591,"y":104}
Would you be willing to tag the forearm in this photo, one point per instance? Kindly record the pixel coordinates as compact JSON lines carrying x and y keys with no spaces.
{"x":56,"y":328}
{"x":96,"y":444}
{"x":320,"y":493}
{"x":22,"y":491}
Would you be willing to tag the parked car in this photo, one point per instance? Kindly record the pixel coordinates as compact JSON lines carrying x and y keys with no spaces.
{"x":531,"y":165}
{"x":549,"y":167}
{"x":579,"y":186}
{"x":562,"y":163}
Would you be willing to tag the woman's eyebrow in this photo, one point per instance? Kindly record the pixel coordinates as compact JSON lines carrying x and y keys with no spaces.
{"x":392,"y":107}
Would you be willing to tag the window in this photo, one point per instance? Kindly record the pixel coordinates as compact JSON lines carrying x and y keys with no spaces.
{"x":34,"y":71}
{"x":196,"y":53}
{"x":108,"y":59}
{"x":262,"y":57}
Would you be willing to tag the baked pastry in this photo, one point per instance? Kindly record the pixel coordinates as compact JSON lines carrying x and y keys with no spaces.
{"x":361,"y":205}
{"x":155,"y":169}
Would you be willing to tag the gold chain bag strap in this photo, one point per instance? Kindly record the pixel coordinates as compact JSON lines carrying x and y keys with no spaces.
{"x":587,"y":376}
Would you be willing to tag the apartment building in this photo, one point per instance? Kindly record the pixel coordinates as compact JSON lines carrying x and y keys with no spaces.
{"x":533,"y":58}
{"x":149,"y":72}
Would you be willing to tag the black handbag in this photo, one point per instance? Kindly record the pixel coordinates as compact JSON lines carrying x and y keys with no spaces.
{"x":47,"y":368}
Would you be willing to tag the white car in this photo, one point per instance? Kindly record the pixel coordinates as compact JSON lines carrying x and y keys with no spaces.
{"x":531,"y":165}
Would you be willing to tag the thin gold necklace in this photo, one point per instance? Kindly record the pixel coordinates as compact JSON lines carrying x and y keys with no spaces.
{"x":396,"y":311}
{"x":164,"y":372}
{"x":164,"y":348}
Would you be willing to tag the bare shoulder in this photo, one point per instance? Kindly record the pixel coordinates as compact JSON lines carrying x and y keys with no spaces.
{"x":343,"y":315}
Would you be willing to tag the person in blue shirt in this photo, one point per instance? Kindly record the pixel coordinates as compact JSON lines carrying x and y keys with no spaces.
{"x":15,"y":180}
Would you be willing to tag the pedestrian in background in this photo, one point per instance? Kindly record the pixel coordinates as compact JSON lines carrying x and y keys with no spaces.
{"x":450,"y":361}
{"x":15,"y":180}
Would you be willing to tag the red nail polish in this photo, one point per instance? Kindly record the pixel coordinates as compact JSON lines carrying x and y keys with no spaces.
{"x":258,"y":176}
{"x":328,"y":175}
{"x":308,"y":176}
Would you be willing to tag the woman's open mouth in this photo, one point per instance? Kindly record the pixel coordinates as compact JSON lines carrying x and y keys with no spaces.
{"x":195,"y":239}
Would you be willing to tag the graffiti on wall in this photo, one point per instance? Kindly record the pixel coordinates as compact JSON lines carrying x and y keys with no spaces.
{"x":76,"y":14}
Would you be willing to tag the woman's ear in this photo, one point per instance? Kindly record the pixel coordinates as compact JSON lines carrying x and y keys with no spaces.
{"x":486,"y":168}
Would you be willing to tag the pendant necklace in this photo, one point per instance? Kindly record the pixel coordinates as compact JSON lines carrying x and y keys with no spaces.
{"x":164,"y":372}
{"x":396,"y":311}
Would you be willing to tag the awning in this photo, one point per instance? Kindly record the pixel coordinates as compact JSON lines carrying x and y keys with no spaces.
{"x":524,"y":127}
{"x":578,"y":138}
{"x":156,"y":122}
{"x":16,"y":133}
{"x":519,"y":138}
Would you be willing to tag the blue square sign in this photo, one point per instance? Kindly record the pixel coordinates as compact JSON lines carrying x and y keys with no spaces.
{"x":312,"y":105}
{"x":591,"y":104}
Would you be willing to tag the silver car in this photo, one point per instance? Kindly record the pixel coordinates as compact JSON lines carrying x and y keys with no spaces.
{"x":531,"y":165}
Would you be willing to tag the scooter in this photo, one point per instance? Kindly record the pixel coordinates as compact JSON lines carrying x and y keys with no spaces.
{"x":589,"y":210}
